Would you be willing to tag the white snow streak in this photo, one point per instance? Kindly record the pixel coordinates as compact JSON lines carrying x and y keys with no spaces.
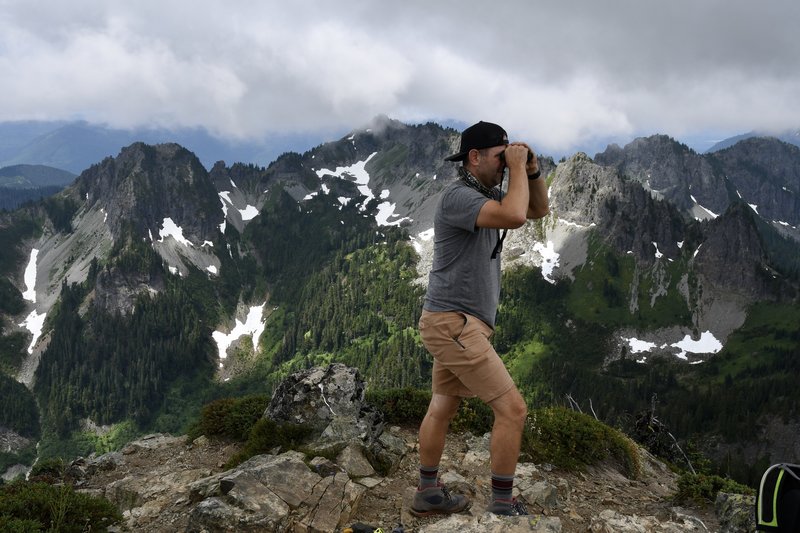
{"x":253,"y":325}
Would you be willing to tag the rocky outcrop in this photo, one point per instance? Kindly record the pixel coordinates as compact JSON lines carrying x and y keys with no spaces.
{"x":273,"y":493}
{"x":736,"y":513}
{"x":670,"y":171}
{"x":626,"y":216}
{"x":164,"y":483}
{"x":117,"y":291}
{"x":145,"y":184}
{"x":330,"y":400}
{"x":765,"y":173}
{"x":732,"y":256}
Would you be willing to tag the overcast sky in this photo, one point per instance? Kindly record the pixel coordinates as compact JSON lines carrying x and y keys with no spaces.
{"x":560,"y":74}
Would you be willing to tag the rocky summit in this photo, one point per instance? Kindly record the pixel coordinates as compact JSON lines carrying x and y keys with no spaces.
{"x":166,"y":483}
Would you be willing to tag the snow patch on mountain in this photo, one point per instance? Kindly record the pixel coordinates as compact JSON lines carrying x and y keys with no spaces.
{"x":253,"y":325}
{"x":387,"y":215}
{"x":706,"y":344}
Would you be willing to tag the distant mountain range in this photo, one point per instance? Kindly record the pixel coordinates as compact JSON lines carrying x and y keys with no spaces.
{"x":32,"y":176}
{"x":788,"y":136}
{"x":23,"y":183}
{"x":75,"y":145}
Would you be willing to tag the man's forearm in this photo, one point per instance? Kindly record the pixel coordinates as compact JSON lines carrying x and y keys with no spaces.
{"x":538,"y":202}
{"x":517,"y":197}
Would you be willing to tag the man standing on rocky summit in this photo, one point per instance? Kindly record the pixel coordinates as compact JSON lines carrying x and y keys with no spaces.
{"x":460,"y":305}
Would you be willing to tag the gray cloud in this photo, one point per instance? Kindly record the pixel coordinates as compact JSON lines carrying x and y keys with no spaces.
{"x":559,"y":74}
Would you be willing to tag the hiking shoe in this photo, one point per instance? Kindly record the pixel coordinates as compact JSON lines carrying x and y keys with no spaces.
{"x":438,"y":500}
{"x":511,"y":507}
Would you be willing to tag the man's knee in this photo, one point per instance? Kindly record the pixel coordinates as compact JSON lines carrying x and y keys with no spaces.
{"x":443,"y":407}
{"x":510,"y":406}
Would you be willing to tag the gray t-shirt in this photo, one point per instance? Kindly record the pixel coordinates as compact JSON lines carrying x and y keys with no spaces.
{"x":463,"y":277}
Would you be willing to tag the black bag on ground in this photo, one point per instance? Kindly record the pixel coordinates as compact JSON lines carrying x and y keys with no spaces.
{"x":778,"y":499}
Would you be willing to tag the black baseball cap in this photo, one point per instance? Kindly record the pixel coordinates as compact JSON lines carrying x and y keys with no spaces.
{"x":479,"y":136}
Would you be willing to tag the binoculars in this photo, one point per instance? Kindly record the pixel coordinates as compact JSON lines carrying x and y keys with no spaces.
{"x":502,"y":156}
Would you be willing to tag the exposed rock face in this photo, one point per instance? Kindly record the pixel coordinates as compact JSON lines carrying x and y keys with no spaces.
{"x":331,"y":401}
{"x":273,"y":493}
{"x":318,"y":396}
{"x":732,"y":256}
{"x":766,"y":173}
{"x":670,"y":170}
{"x":116,"y":291}
{"x":736,"y":513}
{"x":12,"y":442}
{"x":626,"y":215}
{"x":145,"y":184}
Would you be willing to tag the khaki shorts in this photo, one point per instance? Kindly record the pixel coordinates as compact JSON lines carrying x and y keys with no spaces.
{"x":464,"y":361}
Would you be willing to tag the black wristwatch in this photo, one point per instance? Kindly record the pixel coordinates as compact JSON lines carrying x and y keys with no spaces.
{"x":535,"y":175}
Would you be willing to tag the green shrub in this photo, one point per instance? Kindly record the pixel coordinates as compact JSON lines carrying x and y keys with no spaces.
{"x":573,"y":440}
{"x":230,"y":417}
{"x":52,"y":467}
{"x":38,"y":506}
{"x":703,"y":488}
{"x":554,"y":435}
{"x":267,"y":435}
{"x":15,"y":525}
{"x":401,"y":406}
{"x":408,"y":406}
{"x":473,"y":416}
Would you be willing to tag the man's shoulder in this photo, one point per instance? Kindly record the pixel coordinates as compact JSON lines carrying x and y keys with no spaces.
{"x":457,"y":189}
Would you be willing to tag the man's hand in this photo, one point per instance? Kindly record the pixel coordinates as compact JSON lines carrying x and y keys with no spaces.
{"x":516,"y":155}
{"x":533,"y":165}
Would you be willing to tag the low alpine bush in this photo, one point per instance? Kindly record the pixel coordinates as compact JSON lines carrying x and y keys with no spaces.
{"x":35,"y":506}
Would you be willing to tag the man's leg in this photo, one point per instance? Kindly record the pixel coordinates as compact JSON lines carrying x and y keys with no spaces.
{"x":431,"y":498}
{"x":433,"y":430}
{"x":510,"y":413}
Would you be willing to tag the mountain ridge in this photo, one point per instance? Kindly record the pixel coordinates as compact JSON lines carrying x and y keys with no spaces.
{"x":346,"y":225}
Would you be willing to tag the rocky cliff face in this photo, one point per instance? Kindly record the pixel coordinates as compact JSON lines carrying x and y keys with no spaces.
{"x":766,"y":174}
{"x":763,"y":172}
{"x":146,"y":184}
{"x":626,"y":216}
{"x":669,"y":170}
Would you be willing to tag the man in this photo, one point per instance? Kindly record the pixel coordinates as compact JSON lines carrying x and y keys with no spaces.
{"x":460,"y":306}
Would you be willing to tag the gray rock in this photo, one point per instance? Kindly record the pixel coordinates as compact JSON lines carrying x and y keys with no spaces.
{"x":330,"y":400}
{"x":107,"y":461}
{"x":273,"y":493}
{"x":541,"y":494}
{"x":216,"y":515}
{"x":324,"y":467}
{"x":610,"y":521}
{"x":352,"y":460}
{"x":152,"y":442}
{"x":319,"y":396}
{"x":736,"y":512}
{"x":490,"y":523}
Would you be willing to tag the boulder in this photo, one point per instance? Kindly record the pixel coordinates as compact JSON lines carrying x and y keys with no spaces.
{"x":736,"y":512}
{"x":330,"y":400}
{"x":273,"y":493}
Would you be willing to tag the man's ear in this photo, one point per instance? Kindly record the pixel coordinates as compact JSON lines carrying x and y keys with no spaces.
{"x":473,"y":156}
